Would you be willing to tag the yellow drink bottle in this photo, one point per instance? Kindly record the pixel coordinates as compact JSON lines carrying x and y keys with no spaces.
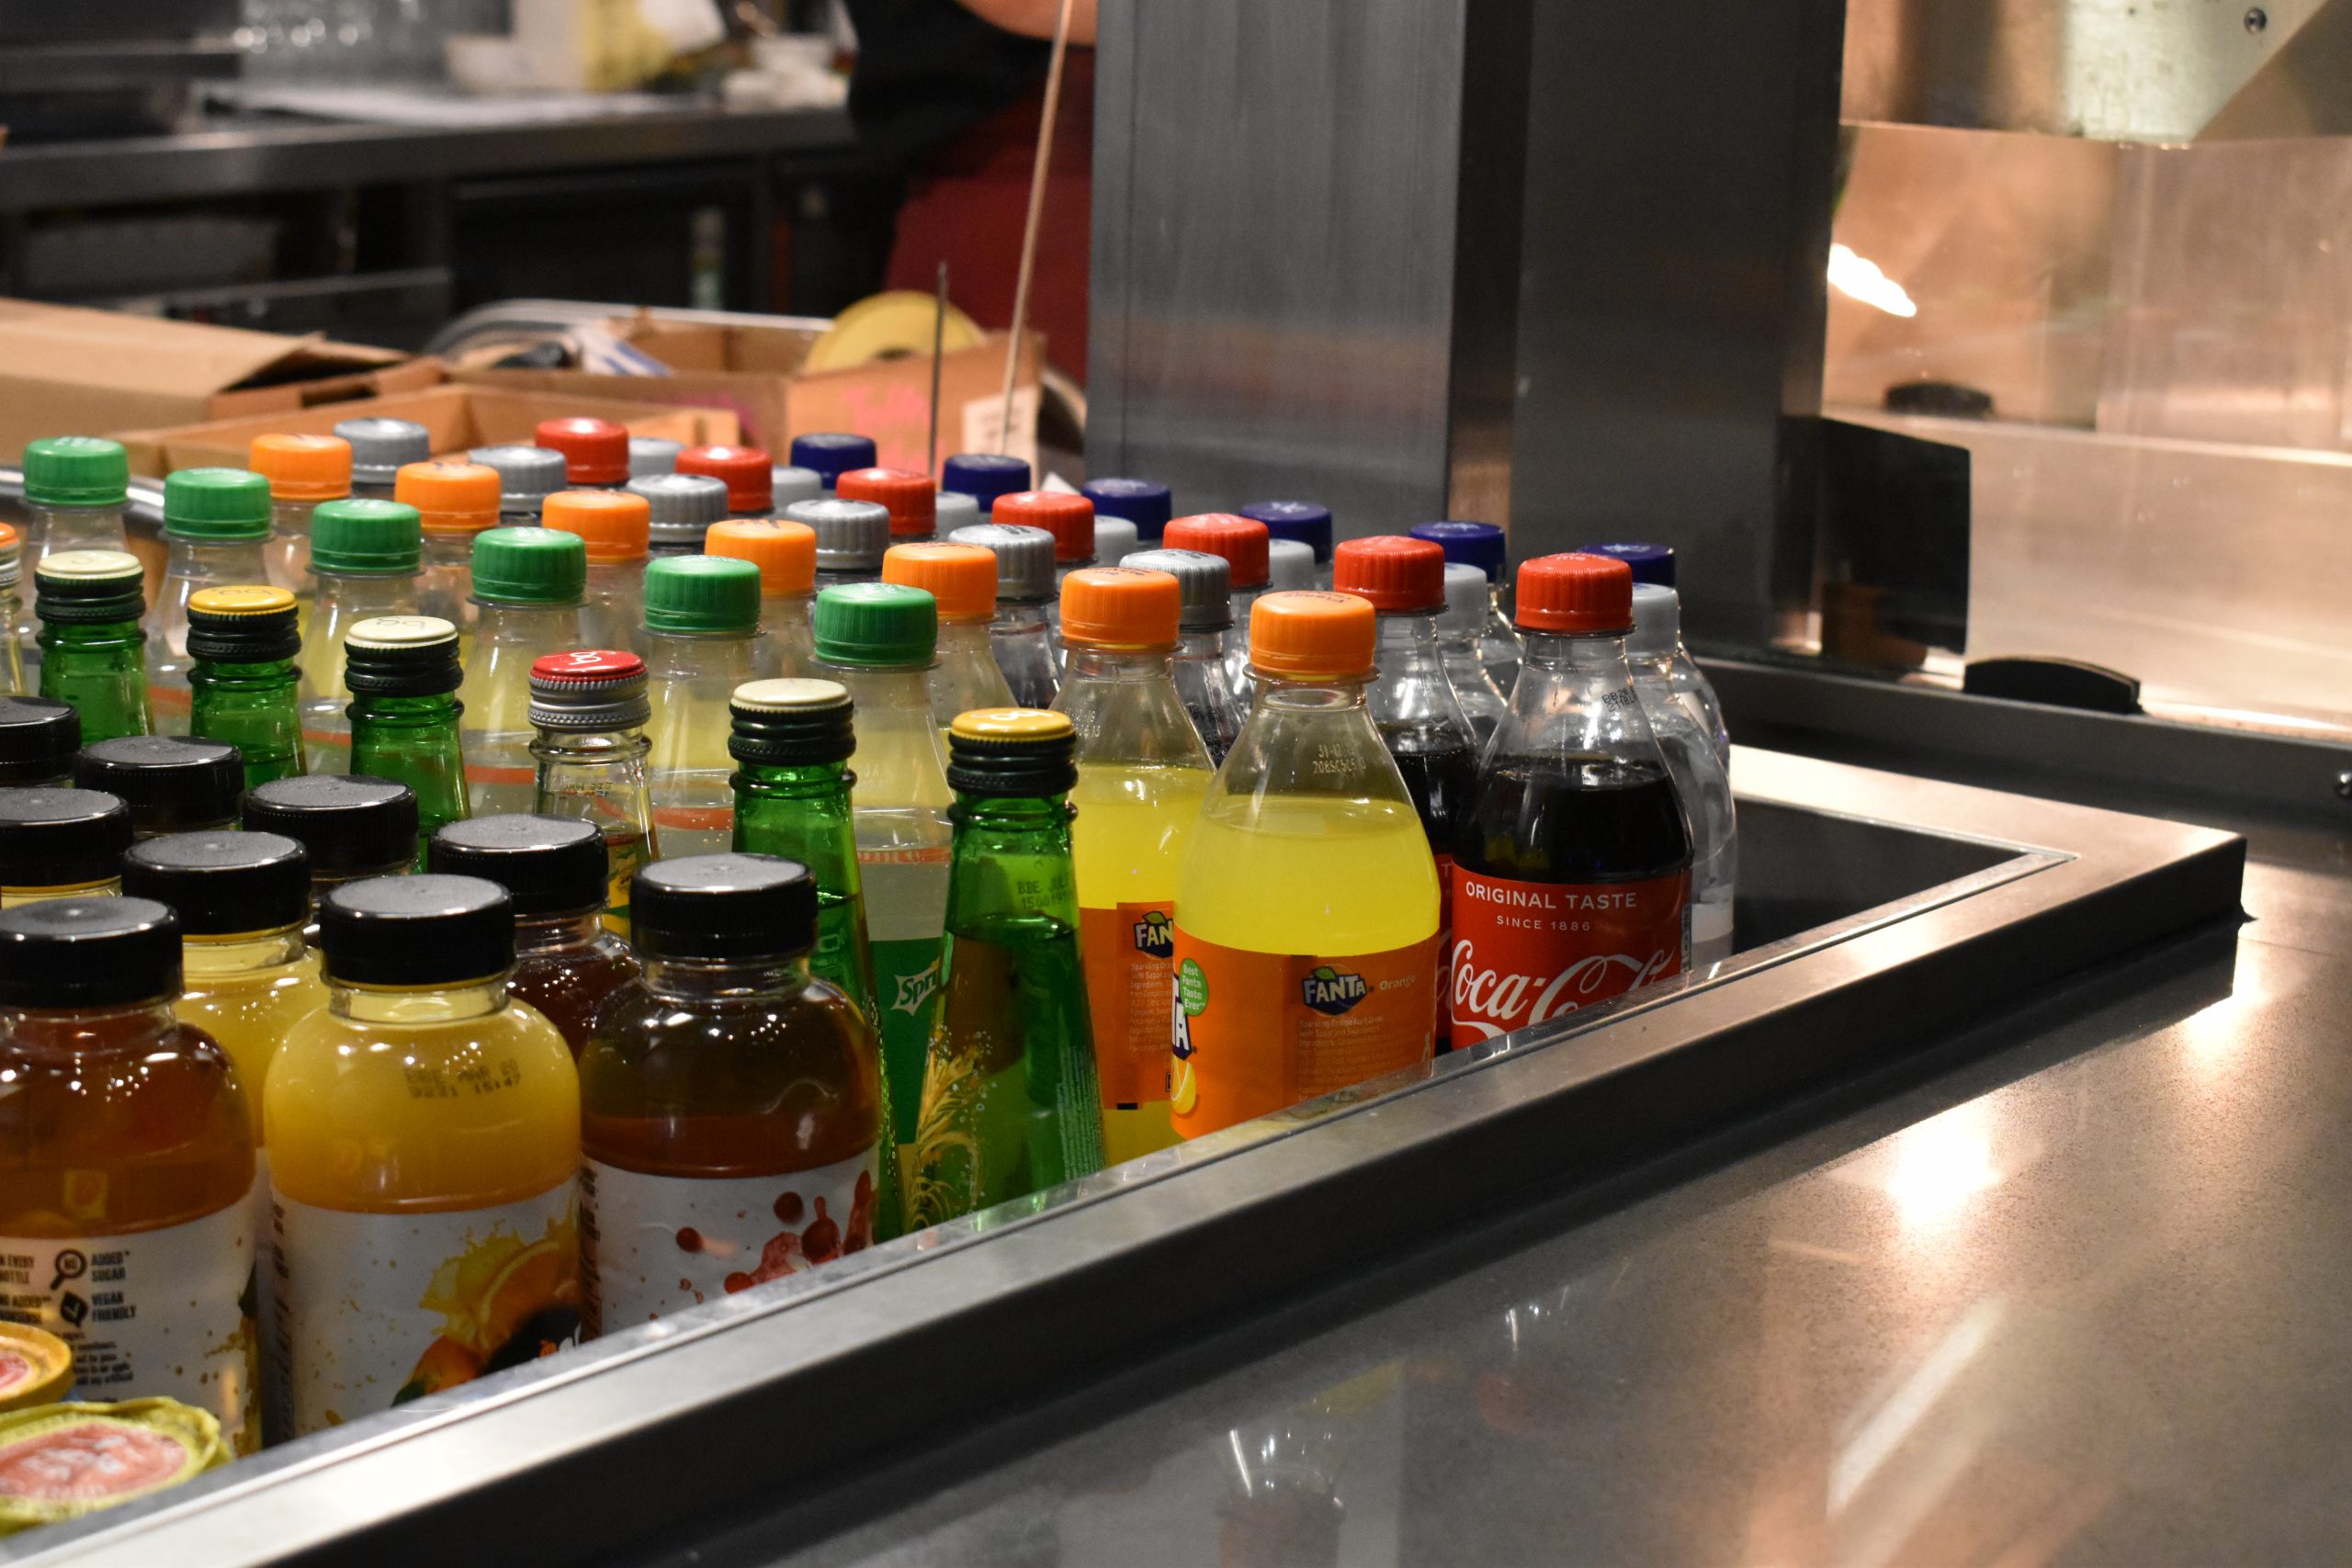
{"x":786,"y":554}
{"x":527,"y":585}
{"x":1142,"y":771}
{"x":701,"y":641}
{"x":962,"y":580}
{"x":1307,"y":917}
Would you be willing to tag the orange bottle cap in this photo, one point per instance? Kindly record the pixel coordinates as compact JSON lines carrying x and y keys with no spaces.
{"x":1069,"y":518}
{"x":595,"y":451}
{"x":1304,"y":636}
{"x":748,"y":472}
{"x":961,"y":577}
{"x":1575,"y":592}
{"x":1114,"y":606}
{"x":303,"y":468}
{"x":912,"y":500}
{"x":617,"y":524}
{"x":1393,"y":571}
{"x":786,"y":553}
{"x":1241,"y":540}
{"x":450,"y":497}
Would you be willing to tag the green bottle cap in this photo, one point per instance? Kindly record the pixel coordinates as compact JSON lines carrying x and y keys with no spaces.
{"x":76,"y":471}
{"x":89,"y":587}
{"x":366,"y":538}
{"x":218,"y":504}
{"x":881,"y":625}
{"x":702,"y":594}
{"x":530,"y":566}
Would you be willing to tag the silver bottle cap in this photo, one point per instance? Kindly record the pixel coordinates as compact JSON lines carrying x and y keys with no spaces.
{"x":1206,"y":580}
{"x":796,"y":484}
{"x":526,"y":475}
{"x":680,"y":506}
{"x":1025,"y":559}
{"x":651,"y":454}
{"x":851,"y":535}
{"x":380,"y":448}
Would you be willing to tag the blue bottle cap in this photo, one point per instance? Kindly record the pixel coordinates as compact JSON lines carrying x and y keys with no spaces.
{"x":984,"y":476}
{"x":1651,"y":563}
{"x":830,"y":454}
{"x":1481,"y":545}
{"x":1302,"y":520}
{"x":1143,"y":503}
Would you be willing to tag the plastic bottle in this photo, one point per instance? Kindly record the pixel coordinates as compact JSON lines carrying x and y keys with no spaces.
{"x":984,"y":476}
{"x":74,"y":490}
{"x":852,"y":538}
{"x":242,"y":643}
{"x":748,"y":473}
{"x":617,"y":528}
{"x":1466,"y":598}
{"x":1197,"y":665}
{"x":527,"y":476}
{"x":38,"y":738}
{"x":566,"y":964}
{"x":1011,"y":1103}
{"x":17,"y":627}
{"x":679,"y":509}
{"x":216,"y":522}
{"x":1142,"y":773}
{"x":649,"y":455}
{"x":1242,"y":541}
{"x":830,"y":454}
{"x":173,"y":784}
{"x":1572,"y":883}
{"x":352,"y":828}
{"x":1143,"y":502}
{"x":423,"y":1133}
{"x":961,"y":579}
{"x":61,"y":843}
{"x":877,"y":640}
{"x":1307,"y":917}
{"x":527,"y":588}
{"x":1655,"y":564}
{"x":91,"y":651}
{"x":590,"y":709}
{"x":1070,"y":520}
{"x":1698,"y":772}
{"x":1486,"y":546}
{"x":1304,"y":522}
{"x":731,"y":1112}
{"x":303,"y":471}
{"x":595,"y":451}
{"x":909,"y":498}
{"x":456,"y":505}
{"x":381,"y":448}
{"x":786,"y":554}
{"x":788,"y":483}
{"x":365,"y":557}
{"x":403,"y":674}
{"x":702,"y":640}
{"x":128,"y":1144}
{"x":1019,"y":637}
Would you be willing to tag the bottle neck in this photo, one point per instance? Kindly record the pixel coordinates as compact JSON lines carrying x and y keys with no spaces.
{"x":1573,"y":696}
{"x":591,"y":748}
{"x":376,"y":707}
{"x":114,"y":1026}
{"x":1015,"y":816}
{"x":1200,"y":645}
{"x":417,"y":1004}
{"x":1014,"y":618}
{"x":259,"y":677}
{"x":718,"y":979}
{"x":366,"y":591}
{"x":805,"y":780}
{"x":107,"y":636}
{"x":675,"y":653}
{"x":559,"y":933}
{"x":243,"y":954}
{"x":504,"y":621}
{"x":1407,"y":643}
{"x":1131,"y":666}
{"x":214,"y":558}
{"x":1280,"y":694}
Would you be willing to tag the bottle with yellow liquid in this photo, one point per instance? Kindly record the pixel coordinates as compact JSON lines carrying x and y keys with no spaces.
{"x":423,"y":1132}
{"x":527,"y":585}
{"x":962,"y":580}
{"x":365,"y":557}
{"x":786,"y":554}
{"x":1142,"y":771}
{"x":1307,"y":917}
{"x":702,"y":640}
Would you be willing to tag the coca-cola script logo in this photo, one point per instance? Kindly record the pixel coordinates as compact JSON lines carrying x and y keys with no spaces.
{"x":1493,"y":1001}
{"x":1525,"y":952}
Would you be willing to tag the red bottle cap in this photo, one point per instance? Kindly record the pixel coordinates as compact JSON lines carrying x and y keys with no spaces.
{"x":1575,"y":592}
{"x":1393,"y":571}
{"x":749,"y":472}
{"x":1069,"y":518}
{"x":1241,"y":540}
{"x":911,"y":498}
{"x":595,"y":451}
{"x":588,"y":666}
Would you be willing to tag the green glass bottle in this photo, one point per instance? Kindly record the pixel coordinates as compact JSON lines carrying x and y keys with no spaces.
{"x":240,"y":644}
{"x":91,"y":651}
{"x":1009,"y":1106}
{"x":403,"y":673}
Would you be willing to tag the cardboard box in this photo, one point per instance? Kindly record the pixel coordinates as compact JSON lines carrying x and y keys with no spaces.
{"x":756,"y":372}
{"x":457,"y":418}
{"x":73,"y":372}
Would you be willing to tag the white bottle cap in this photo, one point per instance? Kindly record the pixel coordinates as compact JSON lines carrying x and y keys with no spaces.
{"x":1290,"y":563}
{"x":1466,"y":591}
{"x":957,"y":510}
{"x":1115,"y":540}
{"x":1657,"y":619}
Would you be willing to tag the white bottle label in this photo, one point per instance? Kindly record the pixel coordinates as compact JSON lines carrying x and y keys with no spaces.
{"x":375,"y":1310}
{"x":655,"y":1245}
{"x":154,"y":1312}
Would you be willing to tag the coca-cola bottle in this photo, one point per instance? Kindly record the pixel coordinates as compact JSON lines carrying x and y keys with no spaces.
{"x":1572,"y":878}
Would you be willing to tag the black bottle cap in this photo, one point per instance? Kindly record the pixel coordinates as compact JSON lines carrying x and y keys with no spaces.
{"x":418,"y":931}
{"x":403,"y":656}
{"x":172,"y":783}
{"x":549,"y":865}
{"x":61,"y":837}
{"x":222,"y":883}
{"x":791,"y":724}
{"x":731,"y":906}
{"x":1011,"y":752}
{"x":38,"y":739}
{"x":351,"y":823}
{"x":78,"y":953}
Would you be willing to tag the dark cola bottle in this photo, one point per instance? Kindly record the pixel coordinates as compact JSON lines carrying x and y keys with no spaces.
{"x":1572,"y":876}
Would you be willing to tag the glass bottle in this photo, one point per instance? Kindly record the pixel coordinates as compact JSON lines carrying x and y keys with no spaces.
{"x":381,"y":448}
{"x":566,"y":964}
{"x":173,"y":784}
{"x":983,"y":476}
{"x":590,"y":709}
{"x":911,"y":499}
{"x":1698,"y":772}
{"x":92,"y":650}
{"x":75,"y":489}
{"x":875,"y":639}
{"x":403,"y":676}
{"x":1143,"y":771}
{"x":303,"y":471}
{"x":423,"y":1132}
{"x":679,"y":509}
{"x":1655,"y":564}
{"x":961,"y":579}
{"x":1019,"y":637}
{"x":1197,"y":664}
{"x":1070,"y":520}
{"x":1143,"y":502}
{"x":1011,"y":1104}
{"x":216,"y":522}
{"x":1306,"y":522}
{"x":830,"y":454}
{"x":1466,"y":598}
{"x":786,"y":553}
{"x":702,"y":640}
{"x":595,"y":451}
{"x":17,"y":627}
{"x":38,"y":738}
{"x":731,"y":1119}
{"x":528,"y":585}
{"x":748,"y":472}
{"x":527,"y":476}
{"x":128,"y":1139}
{"x":1242,"y":541}
{"x":352,"y":829}
{"x":652,"y":455}
{"x":365,"y":559}
{"x":456,"y":505}
{"x":61,"y":843}
{"x":852,"y":536}
{"x":1572,"y":881}
{"x":617,"y":530}
{"x":242,"y":644}
{"x":1486,"y":546}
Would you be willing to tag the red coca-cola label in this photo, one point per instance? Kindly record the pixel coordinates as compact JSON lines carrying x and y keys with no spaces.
{"x":1523,"y":952}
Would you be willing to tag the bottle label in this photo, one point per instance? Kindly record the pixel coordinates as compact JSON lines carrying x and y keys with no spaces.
{"x":376,"y":1310}
{"x":1524,"y":952}
{"x":1444,"y":945}
{"x":163,"y":1312}
{"x":1130,"y":966}
{"x":1255,"y":1032}
{"x":651,"y":1245}
{"x":906,"y":912}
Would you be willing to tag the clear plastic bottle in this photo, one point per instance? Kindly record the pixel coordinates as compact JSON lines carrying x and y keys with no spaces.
{"x":527,"y":588}
{"x":243,"y":642}
{"x":1019,"y":637}
{"x":456,"y":505}
{"x":1486,"y":546}
{"x":786,"y":553}
{"x":617,"y":528}
{"x":364,"y":560}
{"x":1143,"y":502}
{"x":1070,"y":520}
{"x":831,"y":454}
{"x":92,"y":650}
{"x":983,"y":476}
{"x":595,"y":451}
{"x":1197,"y":665}
{"x":852,"y":538}
{"x":216,"y":523}
{"x":173,"y":784}
{"x":1698,"y":772}
{"x":527,"y":476}
{"x":590,"y":709}
{"x":702,"y":640}
{"x":748,"y":472}
{"x":679,"y":507}
{"x":74,"y":490}
{"x":61,"y":843}
{"x":1466,"y":599}
{"x":961,"y":579}
{"x":1306,"y":522}
{"x":1243,"y":542}
{"x":303,"y":471}
{"x":909,"y":498}
{"x":352,"y":828}
{"x":38,"y":738}
{"x":381,"y":448}
{"x":1655,"y":564}
{"x":403,"y":673}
